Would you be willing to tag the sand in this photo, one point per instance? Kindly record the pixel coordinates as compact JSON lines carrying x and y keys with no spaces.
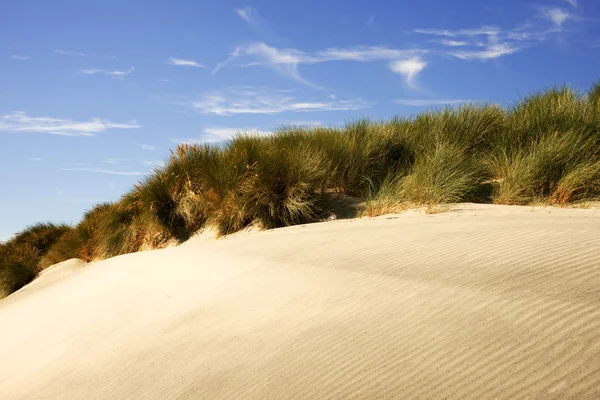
{"x":478,"y":302}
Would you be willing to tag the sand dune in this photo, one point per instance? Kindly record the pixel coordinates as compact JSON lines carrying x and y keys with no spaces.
{"x":478,"y":302}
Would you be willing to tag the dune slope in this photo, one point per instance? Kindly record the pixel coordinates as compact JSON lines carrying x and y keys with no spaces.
{"x":478,"y":302}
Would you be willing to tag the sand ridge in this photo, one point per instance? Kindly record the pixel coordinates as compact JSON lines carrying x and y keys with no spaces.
{"x":478,"y":302}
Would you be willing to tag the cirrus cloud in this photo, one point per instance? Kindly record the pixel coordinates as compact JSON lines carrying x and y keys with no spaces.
{"x":268,"y":102}
{"x":286,"y":61}
{"x":179,"y":62}
{"x":20,"y":122}
{"x":19,"y":57}
{"x":117,"y":74}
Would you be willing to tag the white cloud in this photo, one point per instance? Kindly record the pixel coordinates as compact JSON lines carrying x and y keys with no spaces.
{"x":429,"y":102}
{"x":36,"y":158}
{"x":117,"y":74}
{"x":79,"y":54}
{"x":269,"y":54}
{"x":484,"y":30}
{"x":245,"y":13}
{"x":19,"y":57}
{"x":283,"y":61}
{"x":370,"y":20}
{"x":264,"y":102}
{"x":557,"y":15}
{"x":362,"y":53}
{"x":451,"y":43}
{"x":154,"y":163}
{"x":21,"y":122}
{"x":409,"y":69}
{"x":184,"y":63}
{"x":164,"y":80}
{"x":572,"y":2}
{"x":493,"y":51}
{"x":286,"y":61}
{"x":496,"y":43}
{"x":148,"y":147}
{"x":252,"y":18}
{"x":103,"y":171}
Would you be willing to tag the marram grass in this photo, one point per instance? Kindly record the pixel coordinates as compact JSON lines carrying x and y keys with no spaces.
{"x":545,"y":148}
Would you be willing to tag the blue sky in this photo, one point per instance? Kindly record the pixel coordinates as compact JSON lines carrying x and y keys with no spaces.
{"x":94,"y":94}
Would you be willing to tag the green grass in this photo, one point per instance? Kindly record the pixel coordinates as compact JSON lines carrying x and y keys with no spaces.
{"x":544,"y":148}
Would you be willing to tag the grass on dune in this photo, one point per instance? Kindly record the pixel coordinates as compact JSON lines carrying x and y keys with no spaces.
{"x":20,"y":256}
{"x":19,"y":266}
{"x":545,"y":148}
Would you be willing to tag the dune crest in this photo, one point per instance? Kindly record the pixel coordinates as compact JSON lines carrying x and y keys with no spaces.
{"x":481,"y":301}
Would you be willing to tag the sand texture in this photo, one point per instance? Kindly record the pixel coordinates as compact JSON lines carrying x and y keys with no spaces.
{"x":479,"y":302}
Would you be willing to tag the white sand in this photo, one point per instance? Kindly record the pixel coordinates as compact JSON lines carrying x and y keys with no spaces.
{"x":479,"y":302}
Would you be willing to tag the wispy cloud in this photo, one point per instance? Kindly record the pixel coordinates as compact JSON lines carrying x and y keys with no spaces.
{"x":184,"y":63}
{"x":409,"y":69}
{"x":365,"y":54}
{"x":252,"y":17}
{"x":286,"y":61}
{"x":245,"y":13}
{"x":19,"y":57}
{"x":451,"y":43}
{"x":493,"y":51}
{"x":558,"y":16}
{"x":484,"y":43}
{"x":430,"y":102}
{"x":283,"y":61}
{"x":21,"y":122}
{"x":117,"y":74}
{"x":489,"y":42}
{"x":104,"y":171}
{"x":265,"y":102}
{"x":80,"y":54}
{"x":267,"y":54}
{"x":370,"y":20}
{"x":148,"y":147}
{"x":255,"y":22}
{"x":154,"y":164}
{"x":484,"y":30}
{"x":36,"y":158}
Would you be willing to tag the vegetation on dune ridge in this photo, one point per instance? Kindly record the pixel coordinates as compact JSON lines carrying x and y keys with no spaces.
{"x":545,"y":148}
{"x":20,"y":256}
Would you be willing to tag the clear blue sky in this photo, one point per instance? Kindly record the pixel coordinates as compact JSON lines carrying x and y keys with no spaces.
{"x":93,"y":94}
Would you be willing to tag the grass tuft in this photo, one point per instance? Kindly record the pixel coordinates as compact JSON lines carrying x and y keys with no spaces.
{"x":443,"y":175}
